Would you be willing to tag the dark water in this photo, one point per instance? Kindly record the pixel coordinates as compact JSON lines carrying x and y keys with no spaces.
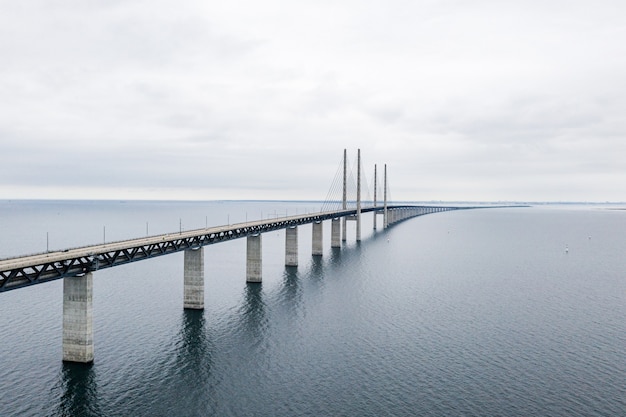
{"x":478,"y":312}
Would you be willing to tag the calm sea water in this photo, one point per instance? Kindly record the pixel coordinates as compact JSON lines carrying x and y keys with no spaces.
{"x":473,"y":313}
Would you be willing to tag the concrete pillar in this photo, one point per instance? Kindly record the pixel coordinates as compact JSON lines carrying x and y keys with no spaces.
{"x":193,"y":297}
{"x":254,"y":264}
{"x":78,"y":318}
{"x":335,"y":241}
{"x":318,"y":246}
{"x":291,"y":246}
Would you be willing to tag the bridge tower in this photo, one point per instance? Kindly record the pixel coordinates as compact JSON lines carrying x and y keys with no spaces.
{"x":385,"y":213}
{"x":375,"y":195}
{"x":344,"y":205}
{"x":358,"y":197}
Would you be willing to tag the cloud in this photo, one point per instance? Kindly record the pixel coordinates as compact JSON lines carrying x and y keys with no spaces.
{"x":488,"y":100}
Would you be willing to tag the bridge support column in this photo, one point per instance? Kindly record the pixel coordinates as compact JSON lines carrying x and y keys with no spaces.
{"x":193,"y":297}
{"x":78,"y":319}
{"x":335,"y":232}
{"x":291,"y":246}
{"x":318,"y":245}
{"x":254,"y":261}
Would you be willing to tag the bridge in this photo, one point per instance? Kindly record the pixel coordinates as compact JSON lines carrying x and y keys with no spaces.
{"x":78,"y":265}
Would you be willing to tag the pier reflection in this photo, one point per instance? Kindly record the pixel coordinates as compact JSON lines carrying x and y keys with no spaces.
{"x":79,"y":396}
{"x":290,"y":293}
{"x":253,"y":315}
{"x":194,"y":353}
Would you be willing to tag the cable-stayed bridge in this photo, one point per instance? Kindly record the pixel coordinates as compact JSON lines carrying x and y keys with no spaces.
{"x":78,"y":265}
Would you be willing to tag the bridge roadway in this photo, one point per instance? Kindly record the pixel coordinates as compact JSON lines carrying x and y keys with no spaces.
{"x":39,"y":268}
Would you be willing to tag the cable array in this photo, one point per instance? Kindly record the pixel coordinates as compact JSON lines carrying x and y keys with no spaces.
{"x":334,"y":197}
{"x":366,"y":196}
{"x":389,"y":198}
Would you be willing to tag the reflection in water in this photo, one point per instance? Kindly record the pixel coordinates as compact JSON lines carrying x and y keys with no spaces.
{"x":253,"y":310}
{"x":340,"y":257}
{"x":335,"y":256}
{"x":194,"y":353}
{"x":79,"y":391}
{"x":290,"y":294}
{"x":317,"y":268}
{"x":191,"y":371}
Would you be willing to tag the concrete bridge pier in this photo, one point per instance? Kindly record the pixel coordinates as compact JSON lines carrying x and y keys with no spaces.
{"x":194,"y":279}
{"x":318,"y":246}
{"x":291,"y":246}
{"x":254,"y":264}
{"x":78,"y":319}
{"x":335,"y":231}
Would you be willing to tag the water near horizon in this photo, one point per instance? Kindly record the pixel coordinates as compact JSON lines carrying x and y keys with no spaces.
{"x":471,"y":312}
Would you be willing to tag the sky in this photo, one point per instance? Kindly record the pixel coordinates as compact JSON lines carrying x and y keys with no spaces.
{"x":484,"y":100}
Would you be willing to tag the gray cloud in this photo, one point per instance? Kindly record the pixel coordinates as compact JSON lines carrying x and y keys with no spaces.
{"x":489,"y":100}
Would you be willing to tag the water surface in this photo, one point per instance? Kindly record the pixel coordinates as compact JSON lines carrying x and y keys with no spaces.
{"x":475,"y":312}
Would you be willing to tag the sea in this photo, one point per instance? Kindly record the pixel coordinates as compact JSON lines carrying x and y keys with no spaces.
{"x":517,"y":311}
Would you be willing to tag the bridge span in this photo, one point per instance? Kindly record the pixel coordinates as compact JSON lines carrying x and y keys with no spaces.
{"x":39,"y":268}
{"x":77,"y":265}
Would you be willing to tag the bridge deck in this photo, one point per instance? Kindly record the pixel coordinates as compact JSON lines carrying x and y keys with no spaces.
{"x":34,"y":269}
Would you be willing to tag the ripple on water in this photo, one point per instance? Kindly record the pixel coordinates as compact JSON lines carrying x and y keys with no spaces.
{"x":466,"y":313}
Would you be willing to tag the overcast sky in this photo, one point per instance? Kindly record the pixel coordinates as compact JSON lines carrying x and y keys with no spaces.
{"x":464,"y":100}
